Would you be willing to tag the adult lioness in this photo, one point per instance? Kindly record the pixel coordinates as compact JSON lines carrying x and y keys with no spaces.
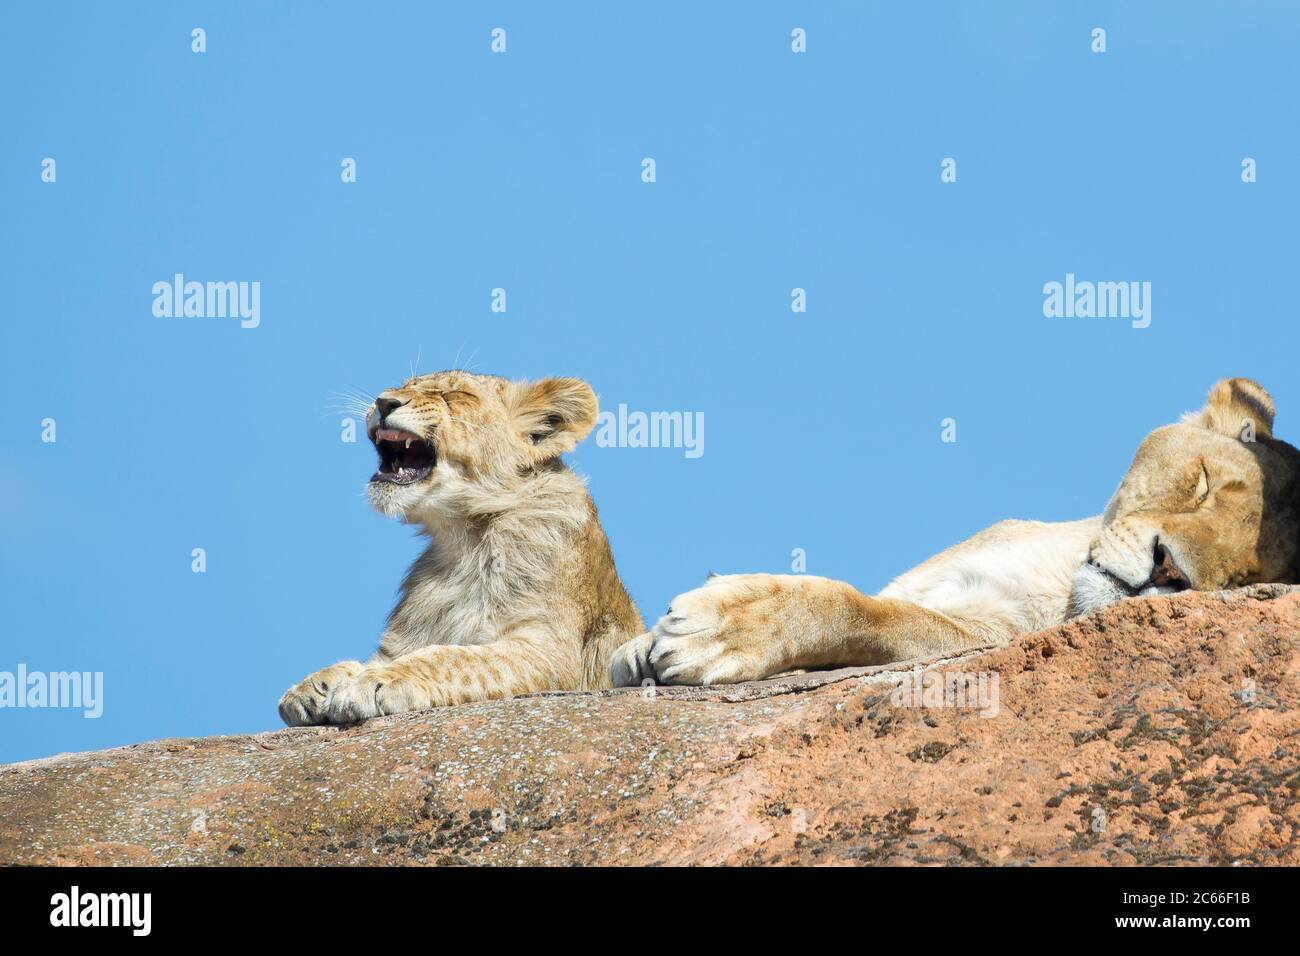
{"x":1208,"y":503}
{"x":517,"y":591}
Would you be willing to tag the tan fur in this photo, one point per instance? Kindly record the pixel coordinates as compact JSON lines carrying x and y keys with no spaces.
{"x":1208,"y":503}
{"x":517,"y":590}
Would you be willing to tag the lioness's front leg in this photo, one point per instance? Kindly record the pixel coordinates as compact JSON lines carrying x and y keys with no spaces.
{"x":750,"y":626}
{"x":445,"y":674}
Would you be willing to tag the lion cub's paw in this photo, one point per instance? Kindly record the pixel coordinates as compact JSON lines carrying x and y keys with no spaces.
{"x":718,"y":634}
{"x":374,"y":692}
{"x":304,"y":702}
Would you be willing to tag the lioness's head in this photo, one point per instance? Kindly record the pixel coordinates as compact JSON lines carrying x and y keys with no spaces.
{"x":456,"y":444}
{"x":1208,"y":503}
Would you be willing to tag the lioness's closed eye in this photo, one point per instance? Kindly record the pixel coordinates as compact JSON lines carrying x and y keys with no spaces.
{"x":517,"y":590}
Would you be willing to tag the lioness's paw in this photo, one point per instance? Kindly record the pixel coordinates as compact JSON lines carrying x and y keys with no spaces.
{"x":630,"y":664}
{"x":718,"y":634}
{"x":374,"y":692}
{"x":303,"y":703}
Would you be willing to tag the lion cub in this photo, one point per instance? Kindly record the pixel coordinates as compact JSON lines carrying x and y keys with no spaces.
{"x":517,"y":590}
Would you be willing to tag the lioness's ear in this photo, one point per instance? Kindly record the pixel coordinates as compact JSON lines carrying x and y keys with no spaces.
{"x":555,"y":413}
{"x":1234,"y":402}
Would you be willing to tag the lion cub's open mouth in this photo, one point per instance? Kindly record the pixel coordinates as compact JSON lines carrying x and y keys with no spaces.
{"x":403,"y":456}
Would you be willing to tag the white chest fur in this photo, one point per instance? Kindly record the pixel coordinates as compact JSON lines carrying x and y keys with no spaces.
{"x":1013,"y":578}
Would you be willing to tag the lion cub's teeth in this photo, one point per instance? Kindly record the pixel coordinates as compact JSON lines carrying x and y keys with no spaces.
{"x":408,"y":442}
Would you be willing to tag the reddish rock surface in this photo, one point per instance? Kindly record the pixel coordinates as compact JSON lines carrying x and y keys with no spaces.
{"x":1158,"y":731}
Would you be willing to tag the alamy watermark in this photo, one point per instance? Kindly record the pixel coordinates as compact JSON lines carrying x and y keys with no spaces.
{"x":83,"y":690}
{"x":208,"y":300}
{"x":633,"y":429}
{"x":75,"y":908}
{"x":953,"y":689}
{"x":1084,"y":299}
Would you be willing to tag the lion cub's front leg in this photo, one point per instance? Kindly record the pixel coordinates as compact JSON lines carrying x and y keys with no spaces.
{"x":521,"y":662}
{"x":409,"y":683}
{"x":304,"y":702}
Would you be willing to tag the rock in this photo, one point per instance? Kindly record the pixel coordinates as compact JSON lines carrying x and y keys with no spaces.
{"x":1163,"y":730}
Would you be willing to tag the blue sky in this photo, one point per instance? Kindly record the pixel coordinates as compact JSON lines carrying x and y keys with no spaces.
{"x":522,"y":171}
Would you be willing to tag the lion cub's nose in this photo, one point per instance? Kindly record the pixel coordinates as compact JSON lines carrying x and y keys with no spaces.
{"x":386,"y":406}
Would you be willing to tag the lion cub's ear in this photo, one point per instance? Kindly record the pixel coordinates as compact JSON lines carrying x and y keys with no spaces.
{"x":1232,"y":403}
{"x":554,"y":414}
